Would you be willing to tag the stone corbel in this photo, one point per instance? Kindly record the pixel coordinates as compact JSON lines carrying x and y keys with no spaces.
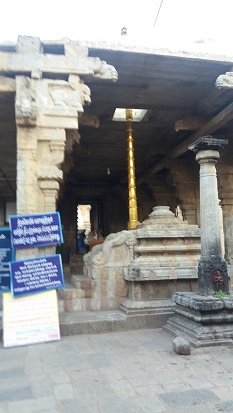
{"x":72,"y":137}
{"x":102,"y":70}
{"x":50,"y":188}
{"x":49,"y":172}
{"x":50,"y":103}
{"x":57,"y":151}
{"x":25,"y":106}
{"x":73,"y":94}
{"x":225,"y":81}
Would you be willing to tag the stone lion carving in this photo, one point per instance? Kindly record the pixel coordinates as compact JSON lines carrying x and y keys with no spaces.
{"x":25,"y":105}
{"x":104,"y":254}
{"x":225,"y":81}
{"x":123,"y":238}
{"x":73,"y":93}
{"x":104,"y":71}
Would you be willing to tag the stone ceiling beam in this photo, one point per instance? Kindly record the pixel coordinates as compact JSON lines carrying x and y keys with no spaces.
{"x":217,"y":122}
{"x":190,"y":123}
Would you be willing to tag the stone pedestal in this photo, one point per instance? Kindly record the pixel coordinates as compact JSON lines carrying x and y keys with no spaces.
{"x":203,"y":320}
{"x":206,"y":318}
{"x":167,"y":249}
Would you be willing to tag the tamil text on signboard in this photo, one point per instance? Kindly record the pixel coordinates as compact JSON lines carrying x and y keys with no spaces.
{"x":38,"y":230}
{"x":5,"y":258}
{"x":36,"y":275}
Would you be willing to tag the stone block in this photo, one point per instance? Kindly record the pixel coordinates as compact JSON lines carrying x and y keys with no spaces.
{"x":181,"y":346}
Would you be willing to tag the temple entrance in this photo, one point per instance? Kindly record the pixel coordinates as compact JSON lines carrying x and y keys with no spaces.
{"x":89,"y":226}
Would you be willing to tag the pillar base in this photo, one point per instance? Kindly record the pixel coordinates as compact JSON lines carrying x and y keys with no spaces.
{"x":203,"y":321}
{"x":212,"y":275}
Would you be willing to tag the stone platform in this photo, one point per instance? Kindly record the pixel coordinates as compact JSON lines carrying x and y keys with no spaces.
{"x":202,"y":320}
{"x":89,"y":322}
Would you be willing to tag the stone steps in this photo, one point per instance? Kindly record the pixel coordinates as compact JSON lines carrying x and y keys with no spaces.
{"x":95,"y":322}
{"x":77,"y":295}
{"x":76,"y":264}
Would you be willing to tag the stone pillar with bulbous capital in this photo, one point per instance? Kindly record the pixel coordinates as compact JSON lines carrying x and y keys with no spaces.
{"x":212,"y":267}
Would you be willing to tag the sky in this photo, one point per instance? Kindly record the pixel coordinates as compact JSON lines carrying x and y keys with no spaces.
{"x":204,"y":25}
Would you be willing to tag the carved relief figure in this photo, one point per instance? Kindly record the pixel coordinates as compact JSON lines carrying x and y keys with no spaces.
{"x":218,"y":279}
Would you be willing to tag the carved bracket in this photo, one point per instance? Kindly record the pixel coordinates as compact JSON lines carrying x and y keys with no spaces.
{"x":225,"y":81}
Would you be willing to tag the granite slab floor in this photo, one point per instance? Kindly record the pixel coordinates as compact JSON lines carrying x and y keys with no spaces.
{"x":126,"y":372}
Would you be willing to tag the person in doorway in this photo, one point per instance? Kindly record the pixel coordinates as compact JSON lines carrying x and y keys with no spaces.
{"x":81,"y":242}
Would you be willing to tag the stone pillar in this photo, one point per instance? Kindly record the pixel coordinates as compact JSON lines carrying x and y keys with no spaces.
{"x":212,"y":268}
{"x":44,"y":110}
{"x":227,"y":209}
{"x":26,"y":196}
{"x":50,"y":190}
{"x":226,"y":196}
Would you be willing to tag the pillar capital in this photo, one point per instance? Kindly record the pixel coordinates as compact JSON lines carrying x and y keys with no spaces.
{"x":207,"y":156}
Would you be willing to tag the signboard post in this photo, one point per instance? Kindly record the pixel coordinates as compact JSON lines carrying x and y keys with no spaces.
{"x":30,"y":311}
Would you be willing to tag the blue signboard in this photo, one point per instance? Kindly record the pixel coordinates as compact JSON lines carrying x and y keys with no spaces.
{"x":37,"y":230}
{"x":36,"y":275}
{"x":5,"y":258}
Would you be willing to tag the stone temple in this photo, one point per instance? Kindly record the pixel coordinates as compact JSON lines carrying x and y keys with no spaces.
{"x":151,"y":187}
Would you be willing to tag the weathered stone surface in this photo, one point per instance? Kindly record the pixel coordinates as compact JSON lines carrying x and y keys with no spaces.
{"x":167,"y":248}
{"x":198,"y":334}
{"x":189,"y":398}
{"x":105,"y":265}
{"x":181,"y":346}
{"x":225,"y":81}
{"x":198,"y":302}
{"x":30,"y":58}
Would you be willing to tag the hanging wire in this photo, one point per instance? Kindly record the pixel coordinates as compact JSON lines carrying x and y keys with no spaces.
{"x":157,"y":15}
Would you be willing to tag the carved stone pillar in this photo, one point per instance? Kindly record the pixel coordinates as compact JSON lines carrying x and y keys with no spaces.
{"x":26,"y":196}
{"x":50,"y":190}
{"x":44,"y":109}
{"x":212,"y":268}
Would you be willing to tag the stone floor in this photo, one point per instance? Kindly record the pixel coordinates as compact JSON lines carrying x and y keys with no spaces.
{"x":124,"y":372}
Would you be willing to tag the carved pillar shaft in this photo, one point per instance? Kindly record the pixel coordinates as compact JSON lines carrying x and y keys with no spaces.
{"x":50,"y":190}
{"x":209,"y":204}
{"x":212,"y":268}
{"x":26,"y":170}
